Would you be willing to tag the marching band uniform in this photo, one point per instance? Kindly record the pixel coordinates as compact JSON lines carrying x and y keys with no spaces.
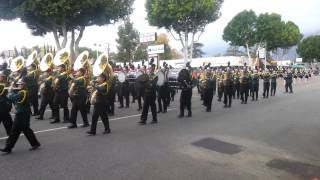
{"x":228,"y":89}
{"x":61,"y":97}
{"x":288,"y":81}
{"x":162,"y":97}
{"x":99,"y":107}
{"x":244,"y":87}
{"x":273,"y":84}
{"x":78,"y":99}
{"x":33,"y":88}
{"x":255,"y":86}
{"x":21,"y":120}
{"x":5,"y":108}
{"x":46,"y":97}
{"x":209,"y":91}
{"x":220,"y":86}
{"x":236,"y":92}
{"x":266,"y":84}
{"x":185,"y":98}
{"x":149,"y":99}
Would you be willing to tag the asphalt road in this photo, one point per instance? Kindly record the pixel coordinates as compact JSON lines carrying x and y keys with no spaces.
{"x":285,"y":127}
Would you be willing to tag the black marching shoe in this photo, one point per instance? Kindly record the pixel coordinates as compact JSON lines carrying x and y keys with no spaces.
{"x":91,"y":133}
{"x":189,"y":114}
{"x":180,"y":116}
{"x":142,"y":123}
{"x":8,"y":151}
{"x":39,"y":118}
{"x":73,"y":126}
{"x":107,"y":131}
{"x":85,"y":125}
{"x":154,"y":122}
{"x":33,"y":148}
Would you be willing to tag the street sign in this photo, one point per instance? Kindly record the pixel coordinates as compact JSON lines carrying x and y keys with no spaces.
{"x":262,"y":53}
{"x":148,"y":37}
{"x":299,"y":60}
{"x":157,"y":49}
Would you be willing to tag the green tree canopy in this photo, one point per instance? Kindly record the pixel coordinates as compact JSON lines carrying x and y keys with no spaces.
{"x":184,"y":17}
{"x":309,"y":48}
{"x":128,"y":39}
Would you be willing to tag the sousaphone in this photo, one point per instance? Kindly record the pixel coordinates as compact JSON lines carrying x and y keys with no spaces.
{"x":62,"y":57}
{"x":32,"y":59}
{"x":46,"y":62}
{"x":17,"y":64}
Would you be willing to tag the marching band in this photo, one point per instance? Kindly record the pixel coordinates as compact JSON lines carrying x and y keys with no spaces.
{"x":56,"y":79}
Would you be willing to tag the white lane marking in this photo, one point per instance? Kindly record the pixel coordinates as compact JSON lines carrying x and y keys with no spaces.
{"x":65,"y":127}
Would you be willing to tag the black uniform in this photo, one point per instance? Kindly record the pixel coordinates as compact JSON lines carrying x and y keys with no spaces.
{"x":33,"y":89}
{"x":162,"y":98}
{"x":149,"y":99}
{"x":139,"y":93}
{"x":46,"y":97}
{"x":236,"y":92}
{"x":288,"y":79}
{"x":60,"y":99}
{"x":124,"y":92}
{"x":99,"y":108}
{"x":255,"y":87}
{"x":185,"y":98}
{"x":244,"y":88}
{"x":209,"y":92}
{"x":273,"y":84}
{"x":266,"y":85}
{"x":21,"y":121}
{"x":5,"y":108}
{"x":220,"y":88}
{"x":227,"y":89}
{"x":78,"y":99}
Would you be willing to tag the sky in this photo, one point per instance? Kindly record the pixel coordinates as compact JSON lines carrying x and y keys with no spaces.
{"x":305,"y":13}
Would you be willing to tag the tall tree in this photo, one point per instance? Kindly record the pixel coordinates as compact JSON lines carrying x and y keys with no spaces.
{"x":241,"y":30}
{"x":309,"y":49}
{"x":63,"y":16}
{"x":163,"y":38}
{"x":128,"y":39}
{"x":187,"y":18}
{"x":197,"y":50}
{"x":141,"y":53}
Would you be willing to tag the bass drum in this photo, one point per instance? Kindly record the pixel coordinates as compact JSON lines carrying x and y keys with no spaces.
{"x":161,"y":78}
{"x":121,"y":77}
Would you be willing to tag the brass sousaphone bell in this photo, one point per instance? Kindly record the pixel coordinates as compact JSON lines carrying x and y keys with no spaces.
{"x":32,"y":59}
{"x":17,"y":64}
{"x":46,"y":62}
{"x":102,"y":66}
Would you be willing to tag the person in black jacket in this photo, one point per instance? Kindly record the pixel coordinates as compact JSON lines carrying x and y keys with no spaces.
{"x":46,"y":95}
{"x":149,"y":99}
{"x":100,"y":105}
{"x":22,"y":118}
{"x":288,"y":79}
{"x":5,"y":105}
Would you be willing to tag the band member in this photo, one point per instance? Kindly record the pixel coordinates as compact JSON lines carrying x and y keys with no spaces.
{"x":33,"y":88}
{"x":5,"y":104}
{"x":220,"y":86}
{"x":186,"y":94}
{"x":288,"y":81}
{"x":209,"y":90}
{"x":22,"y":118}
{"x":78,"y":98}
{"x":162,"y":96}
{"x":228,"y":89}
{"x":61,"y":95}
{"x":266,"y":84}
{"x":273,"y":83}
{"x":236,"y":92}
{"x":100,"y":105}
{"x":124,"y":92}
{"x":140,"y":93}
{"x":150,"y":98}
{"x":255,"y":85}
{"x":47,"y":94}
{"x":244,"y":86}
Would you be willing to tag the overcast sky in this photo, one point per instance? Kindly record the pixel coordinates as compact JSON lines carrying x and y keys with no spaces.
{"x":305,"y":13}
